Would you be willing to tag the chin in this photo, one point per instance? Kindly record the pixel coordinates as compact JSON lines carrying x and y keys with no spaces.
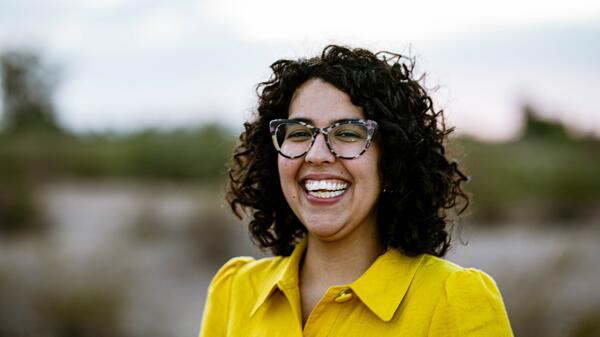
{"x":325,"y":231}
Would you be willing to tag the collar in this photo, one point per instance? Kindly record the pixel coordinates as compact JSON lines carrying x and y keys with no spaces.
{"x":284,"y":276}
{"x":381,"y":288}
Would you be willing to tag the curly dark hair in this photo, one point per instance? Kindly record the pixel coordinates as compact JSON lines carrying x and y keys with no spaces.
{"x":420,"y":183}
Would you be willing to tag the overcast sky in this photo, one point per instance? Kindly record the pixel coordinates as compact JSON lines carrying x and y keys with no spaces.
{"x":128,"y":64}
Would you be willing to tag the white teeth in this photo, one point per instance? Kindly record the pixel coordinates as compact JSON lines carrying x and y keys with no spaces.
{"x":325,"y":188}
{"x":325,"y":195}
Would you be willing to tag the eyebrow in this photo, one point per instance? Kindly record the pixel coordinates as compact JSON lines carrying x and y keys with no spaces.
{"x":305,"y":120}
{"x":311,"y":122}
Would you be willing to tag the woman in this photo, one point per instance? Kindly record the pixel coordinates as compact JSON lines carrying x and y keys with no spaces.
{"x":345,"y":176}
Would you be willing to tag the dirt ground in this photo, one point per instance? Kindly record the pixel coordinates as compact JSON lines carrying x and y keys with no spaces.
{"x":148,"y":251}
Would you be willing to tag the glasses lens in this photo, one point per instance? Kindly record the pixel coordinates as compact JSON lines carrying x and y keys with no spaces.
{"x":349,"y":140}
{"x":293,"y":139}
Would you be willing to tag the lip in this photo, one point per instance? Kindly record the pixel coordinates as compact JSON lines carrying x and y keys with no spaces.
{"x":328,"y":201}
{"x":323,"y":176}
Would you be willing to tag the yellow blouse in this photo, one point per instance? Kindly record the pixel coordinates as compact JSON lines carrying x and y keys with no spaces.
{"x":397,"y":296}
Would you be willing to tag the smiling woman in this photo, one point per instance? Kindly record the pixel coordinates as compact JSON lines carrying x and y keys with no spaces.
{"x":345,"y":175}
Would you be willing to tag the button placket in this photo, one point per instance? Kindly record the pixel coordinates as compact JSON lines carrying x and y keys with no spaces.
{"x":320,"y":320}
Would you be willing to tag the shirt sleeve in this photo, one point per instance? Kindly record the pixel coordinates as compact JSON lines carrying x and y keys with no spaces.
{"x":217,"y":305}
{"x":472,"y":306}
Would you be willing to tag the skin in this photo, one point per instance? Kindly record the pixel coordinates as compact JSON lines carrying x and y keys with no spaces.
{"x":342,"y":232}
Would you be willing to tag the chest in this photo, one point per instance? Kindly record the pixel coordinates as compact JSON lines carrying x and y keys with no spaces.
{"x":337,"y":313}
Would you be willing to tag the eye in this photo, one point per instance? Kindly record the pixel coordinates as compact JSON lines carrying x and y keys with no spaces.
{"x":350,"y":133}
{"x":298,"y":135}
{"x":347,"y":136}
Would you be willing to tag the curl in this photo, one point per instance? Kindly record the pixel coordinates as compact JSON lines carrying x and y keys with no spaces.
{"x":421,"y":185}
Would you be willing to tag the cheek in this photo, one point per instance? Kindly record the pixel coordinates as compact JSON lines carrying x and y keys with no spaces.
{"x":288,"y":169}
{"x":371,"y":164}
{"x":281,"y":168}
{"x":287,"y":172}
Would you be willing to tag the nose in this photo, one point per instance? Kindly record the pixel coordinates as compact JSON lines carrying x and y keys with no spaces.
{"x":319,"y":152}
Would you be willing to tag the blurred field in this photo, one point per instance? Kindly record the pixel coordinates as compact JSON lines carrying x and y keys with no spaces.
{"x":550,"y":174}
{"x":119,"y":234}
{"x":123,"y":258}
{"x":117,"y":259}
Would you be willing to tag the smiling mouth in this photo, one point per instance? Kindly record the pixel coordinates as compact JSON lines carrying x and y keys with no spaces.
{"x":325,"y":189}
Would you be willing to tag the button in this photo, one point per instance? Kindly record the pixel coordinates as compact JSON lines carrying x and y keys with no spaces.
{"x":344,"y":296}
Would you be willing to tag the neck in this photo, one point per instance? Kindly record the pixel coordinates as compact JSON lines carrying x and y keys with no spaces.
{"x":341,"y":262}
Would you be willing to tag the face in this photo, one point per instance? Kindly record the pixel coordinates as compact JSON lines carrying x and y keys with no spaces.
{"x":343,"y":192}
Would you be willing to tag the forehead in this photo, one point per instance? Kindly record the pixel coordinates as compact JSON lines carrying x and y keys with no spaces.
{"x":322,"y":103}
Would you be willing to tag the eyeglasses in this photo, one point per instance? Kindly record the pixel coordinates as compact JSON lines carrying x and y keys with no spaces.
{"x":346,"y":139}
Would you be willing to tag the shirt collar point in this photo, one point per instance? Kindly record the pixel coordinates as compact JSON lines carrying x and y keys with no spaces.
{"x":285,"y":276}
{"x":262,"y":298}
{"x":391,"y":274}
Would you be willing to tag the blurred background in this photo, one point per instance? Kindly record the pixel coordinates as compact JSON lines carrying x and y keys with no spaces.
{"x":118,"y":118}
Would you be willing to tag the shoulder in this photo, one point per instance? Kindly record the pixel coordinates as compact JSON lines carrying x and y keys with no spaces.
{"x":229,"y":270}
{"x":433,"y":272}
{"x":232,"y":283}
{"x":243,"y":268}
{"x":469,"y":302}
{"x":459,"y":285}
{"x":439,"y":265}
{"x":473,"y":288}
